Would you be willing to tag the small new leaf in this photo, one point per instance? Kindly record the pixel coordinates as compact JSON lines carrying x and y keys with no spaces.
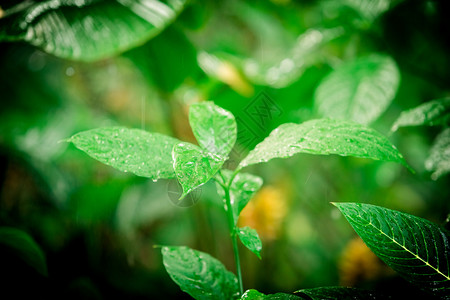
{"x":198,"y":274}
{"x":213,"y":127}
{"x":359,"y":90}
{"x":324,"y":137}
{"x":250,"y":239}
{"x":194,"y":167}
{"x":242,"y":189}
{"x":417,"y":249}
{"x":129,"y":150}
{"x":436,"y":112}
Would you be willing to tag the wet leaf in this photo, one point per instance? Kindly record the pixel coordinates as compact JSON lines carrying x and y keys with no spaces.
{"x":255,"y":295}
{"x":341,"y":293}
{"x":358,"y":90}
{"x":129,"y":150}
{"x":194,"y":167}
{"x":439,"y":160}
{"x":198,"y":274}
{"x":24,"y":247}
{"x":416,"y":248}
{"x":214,"y":127}
{"x":243,"y":188}
{"x":324,"y":137}
{"x":436,"y":112}
{"x":87,"y":30}
{"x":250,"y":238}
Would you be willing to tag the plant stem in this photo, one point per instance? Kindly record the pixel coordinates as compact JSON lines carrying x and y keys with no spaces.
{"x":233,"y":234}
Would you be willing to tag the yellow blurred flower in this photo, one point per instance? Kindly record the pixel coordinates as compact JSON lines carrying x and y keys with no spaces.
{"x":265,"y":212}
{"x":358,"y":264}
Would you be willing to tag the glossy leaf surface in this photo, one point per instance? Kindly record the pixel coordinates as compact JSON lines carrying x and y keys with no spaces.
{"x":194,"y":167}
{"x":129,"y":150}
{"x":214,"y":127}
{"x":87,"y":30}
{"x":22,"y":245}
{"x":242,"y":189}
{"x":341,"y":293}
{"x":436,"y":112}
{"x":250,"y":238}
{"x":198,"y":274}
{"x":323,"y":137}
{"x":359,"y":90}
{"x":439,"y":159}
{"x":416,"y":248}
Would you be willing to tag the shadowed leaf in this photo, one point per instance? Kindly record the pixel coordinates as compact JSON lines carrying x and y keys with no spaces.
{"x":24,"y":247}
{"x":417,"y":249}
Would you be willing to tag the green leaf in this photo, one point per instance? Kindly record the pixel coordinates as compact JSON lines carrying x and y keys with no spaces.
{"x":416,"y":248}
{"x":439,"y":159}
{"x":214,"y":127}
{"x":198,"y":274}
{"x":341,"y":293}
{"x":255,"y":295}
{"x":250,"y":238}
{"x":323,"y":137}
{"x":194,"y":167}
{"x":88,"y":30}
{"x":129,"y":150}
{"x":24,"y":247}
{"x":359,"y":90}
{"x":436,"y":112}
{"x":242,"y":189}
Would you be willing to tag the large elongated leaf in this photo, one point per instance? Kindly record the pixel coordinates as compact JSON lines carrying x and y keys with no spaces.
{"x":341,"y":293}
{"x":439,"y":159}
{"x":198,"y":274}
{"x":255,"y":295}
{"x":214,"y":127}
{"x":416,"y":248}
{"x":323,"y":137}
{"x":359,"y":90}
{"x":193,"y":166}
{"x":87,"y":30}
{"x":242,"y":189}
{"x":129,"y":150}
{"x":24,"y":247}
{"x":250,"y":238}
{"x":436,"y":112}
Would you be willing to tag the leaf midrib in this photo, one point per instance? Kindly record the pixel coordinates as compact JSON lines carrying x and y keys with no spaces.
{"x":412,"y":253}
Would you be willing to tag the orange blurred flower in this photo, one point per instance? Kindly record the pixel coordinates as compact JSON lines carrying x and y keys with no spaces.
{"x":265,"y":212}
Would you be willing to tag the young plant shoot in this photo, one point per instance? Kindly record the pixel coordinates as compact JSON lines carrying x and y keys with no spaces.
{"x":157,"y":156}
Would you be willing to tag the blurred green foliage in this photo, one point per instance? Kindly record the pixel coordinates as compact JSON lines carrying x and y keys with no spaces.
{"x":97,"y":226}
